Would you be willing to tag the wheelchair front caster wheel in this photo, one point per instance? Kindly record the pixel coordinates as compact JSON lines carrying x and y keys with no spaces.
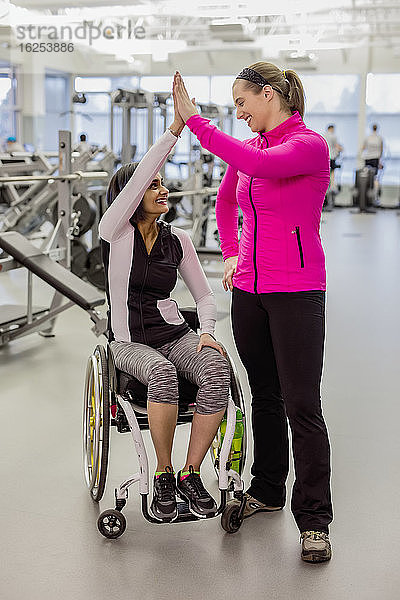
{"x":229,"y":519}
{"x":111,"y":523}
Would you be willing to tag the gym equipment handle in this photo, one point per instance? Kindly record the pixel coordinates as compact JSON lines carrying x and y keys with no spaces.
{"x":70,"y":177}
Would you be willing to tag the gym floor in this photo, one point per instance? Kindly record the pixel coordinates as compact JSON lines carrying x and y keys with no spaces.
{"x":50,"y":544}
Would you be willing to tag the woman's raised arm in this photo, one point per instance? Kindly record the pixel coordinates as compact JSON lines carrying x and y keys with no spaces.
{"x":301,"y":155}
{"x":115,"y":221}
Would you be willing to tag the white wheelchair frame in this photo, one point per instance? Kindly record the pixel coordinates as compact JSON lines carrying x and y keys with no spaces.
{"x":100,"y":381}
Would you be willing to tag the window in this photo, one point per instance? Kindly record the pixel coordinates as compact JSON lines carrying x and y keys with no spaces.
{"x":5,"y":89}
{"x":198,"y":86}
{"x":334,"y":99}
{"x":156,"y":83}
{"x":383,"y":93}
{"x":8,"y":108}
{"x":93,"y":118}
{"x":383,"y":107}
{"x":92,"y":84}
{"x":221,"y":89}
{"x":331,"y":93}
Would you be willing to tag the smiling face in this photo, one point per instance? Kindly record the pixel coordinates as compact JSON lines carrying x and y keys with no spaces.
{"x":154,"y":201}
{"x":253,"y":108}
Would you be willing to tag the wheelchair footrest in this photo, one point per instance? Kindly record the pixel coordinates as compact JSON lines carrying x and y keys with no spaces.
{"x":184,"y":513}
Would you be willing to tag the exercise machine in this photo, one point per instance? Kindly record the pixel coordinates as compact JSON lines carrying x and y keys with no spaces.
{"x":57,"y":246}
{"x":17,"y":321}
{"x":364,"y":191}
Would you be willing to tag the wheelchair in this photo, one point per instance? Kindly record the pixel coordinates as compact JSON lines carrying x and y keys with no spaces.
{"x":113,"y":398}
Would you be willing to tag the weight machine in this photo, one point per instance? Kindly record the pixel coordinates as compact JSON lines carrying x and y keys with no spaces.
{"x":125,"y":101}
{"x":363,"y":191}
{"x":28,"y":209}
{"x":57,"y":246}
{"x":202,"y":182}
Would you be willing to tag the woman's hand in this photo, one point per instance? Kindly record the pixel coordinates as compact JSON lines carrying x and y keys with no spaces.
{"x":178,"y":124}
{"x":186,"y":106}
{"x":207,"y":340}
{"x":229,"y":271}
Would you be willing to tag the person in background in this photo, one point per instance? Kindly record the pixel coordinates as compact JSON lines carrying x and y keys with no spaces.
{"x":13,"y":146}
{"x":373,"y":148}
{"x":334,"y":150}
{"x":83,"y":145}
{"x":372,"y":151}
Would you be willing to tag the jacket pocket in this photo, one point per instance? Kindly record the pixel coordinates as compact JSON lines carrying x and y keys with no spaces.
{"x":298,"y":236}
{"x":169,"y":311}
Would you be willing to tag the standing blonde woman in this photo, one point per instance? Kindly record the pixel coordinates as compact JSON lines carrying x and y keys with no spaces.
{"x":277,"y":275}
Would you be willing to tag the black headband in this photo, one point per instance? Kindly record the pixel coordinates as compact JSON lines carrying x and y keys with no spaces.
{"x":255,"y":77}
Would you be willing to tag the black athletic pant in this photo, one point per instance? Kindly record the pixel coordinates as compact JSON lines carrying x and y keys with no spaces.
{"x":280,"y":340}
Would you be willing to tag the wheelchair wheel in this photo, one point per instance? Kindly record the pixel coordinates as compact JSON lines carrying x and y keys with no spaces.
{"x":96,"y":423}
{"x":237,"y":455}
{"x":229,"y":518}
{"x":111,"y":523}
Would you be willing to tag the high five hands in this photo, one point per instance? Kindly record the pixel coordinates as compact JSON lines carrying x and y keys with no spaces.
{"x":184,"y":106}
{"x":184,"y":109}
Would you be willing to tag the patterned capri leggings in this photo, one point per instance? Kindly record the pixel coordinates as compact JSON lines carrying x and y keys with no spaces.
{"x":158,"y":369}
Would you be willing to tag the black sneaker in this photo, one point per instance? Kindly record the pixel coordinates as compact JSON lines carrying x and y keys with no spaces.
{"x":191,"y":489}
{"x":163,"y":506}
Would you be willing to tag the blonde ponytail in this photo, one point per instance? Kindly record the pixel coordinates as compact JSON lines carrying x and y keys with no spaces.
{"x":295,"y":96}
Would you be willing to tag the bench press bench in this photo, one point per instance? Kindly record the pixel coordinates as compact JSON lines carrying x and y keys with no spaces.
{"x":16,"y":321}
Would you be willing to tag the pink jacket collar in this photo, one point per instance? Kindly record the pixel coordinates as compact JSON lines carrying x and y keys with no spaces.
{"x":293,"y":123}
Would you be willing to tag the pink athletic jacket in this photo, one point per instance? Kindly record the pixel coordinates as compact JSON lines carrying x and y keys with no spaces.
{"x":279,"y":180}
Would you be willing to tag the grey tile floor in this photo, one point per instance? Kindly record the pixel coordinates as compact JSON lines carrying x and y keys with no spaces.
{"x":50,"y":546}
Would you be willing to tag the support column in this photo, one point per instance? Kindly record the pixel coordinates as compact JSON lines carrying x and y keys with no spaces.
{"x":150,"y":119}
{"x":32,"y":81}
{"x":362,"y":109}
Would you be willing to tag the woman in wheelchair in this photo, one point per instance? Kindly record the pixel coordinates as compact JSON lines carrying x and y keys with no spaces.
{"x":149,"y":337}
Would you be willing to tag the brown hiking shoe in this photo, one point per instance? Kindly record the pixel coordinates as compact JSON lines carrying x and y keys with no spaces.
{"x":253,"y":506}
{"x":315,"y":546}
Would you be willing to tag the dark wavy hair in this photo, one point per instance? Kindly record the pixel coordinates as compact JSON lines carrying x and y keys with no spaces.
{"x":117,"y":182}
